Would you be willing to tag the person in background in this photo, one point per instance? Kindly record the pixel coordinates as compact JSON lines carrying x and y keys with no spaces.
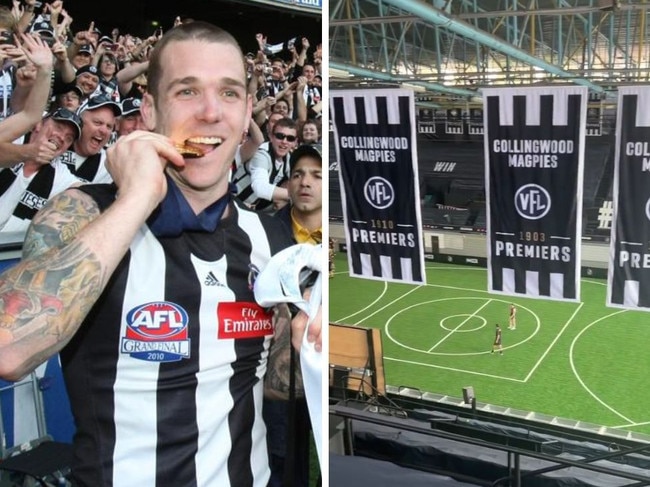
{"x":512,"y":317}
{"x":497,"y":345}
{"x":131,"y":118}
{"x":261,"y":182}
{"x":70,"y":98}
{"x":87,"y":79}
{"x":87,"y":157}
{"x":304,"y":214}
{"x":288,"y":424}
{"x":309,"y":133}
{"x":27,"y":186}
{"x":33,"y":79}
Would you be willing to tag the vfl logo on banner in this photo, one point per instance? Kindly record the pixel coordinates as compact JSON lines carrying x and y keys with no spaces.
{"x":379,"y":192}
{"x":535,"y":153}
{"x":374,"y":133}
{"x":532,"y":202}
{"x":629,"y":269}
{"x":157,"y":332}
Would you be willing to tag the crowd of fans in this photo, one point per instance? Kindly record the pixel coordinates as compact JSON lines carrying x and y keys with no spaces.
{"x":66,"y":96}
{"x":97,"y":80}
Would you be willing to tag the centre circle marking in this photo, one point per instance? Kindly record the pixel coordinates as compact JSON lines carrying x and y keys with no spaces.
{"x":467,"y":315}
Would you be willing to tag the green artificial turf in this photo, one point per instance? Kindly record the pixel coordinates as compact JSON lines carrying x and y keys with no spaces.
{"x":580,"y":361}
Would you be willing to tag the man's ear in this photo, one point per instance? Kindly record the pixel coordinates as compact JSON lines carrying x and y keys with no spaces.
{"x":148,"y":111}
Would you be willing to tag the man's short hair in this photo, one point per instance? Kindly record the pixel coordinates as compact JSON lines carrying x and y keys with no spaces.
{"x":281,"y":100}
{"x":285,"y":122}
{"x":197,"y":30}
{"x":312,"y":150}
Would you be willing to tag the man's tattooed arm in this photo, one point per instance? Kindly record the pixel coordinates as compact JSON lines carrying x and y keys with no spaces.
{"x":45,"y":297}
{"x":276,"y":383}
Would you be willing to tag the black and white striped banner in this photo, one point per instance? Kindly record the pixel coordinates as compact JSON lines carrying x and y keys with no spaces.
{"x":374,"y":133}
{"x":628,"y":283}
{"x":534,"y":148}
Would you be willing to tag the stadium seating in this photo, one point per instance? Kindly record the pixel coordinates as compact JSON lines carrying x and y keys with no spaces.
{"x":479,"y":448}
{"x":352,"y":471}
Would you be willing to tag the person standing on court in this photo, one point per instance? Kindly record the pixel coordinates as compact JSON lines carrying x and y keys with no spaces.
{"x":497,"y":340}
{"x":145,"y":286}
{"x":512,"y":318}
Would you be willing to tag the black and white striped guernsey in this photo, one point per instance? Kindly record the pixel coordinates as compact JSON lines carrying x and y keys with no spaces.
{"x":165,"y":374}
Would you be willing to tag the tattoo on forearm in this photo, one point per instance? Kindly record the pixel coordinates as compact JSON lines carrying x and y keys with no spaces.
{"x":279,"y":365}
{"x":44,"y":298}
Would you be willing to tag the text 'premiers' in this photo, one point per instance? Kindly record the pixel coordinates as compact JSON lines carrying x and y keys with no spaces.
{"x":531,"y":152}
{"x":387,"y":238}
{"x":634,"y":260}
{"x":375,"y":149}
{"x":533,"y":251}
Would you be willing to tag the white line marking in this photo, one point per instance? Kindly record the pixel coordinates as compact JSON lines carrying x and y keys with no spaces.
{"x":577,"y":376}
{"x":557,"y":337}
{"x":627,"y":425}
{"x":453,"y":369}
{"x":369,"y":306}
{"x":629,"y":422}
{"x":459,"y":326}
{"x":387,"y":305}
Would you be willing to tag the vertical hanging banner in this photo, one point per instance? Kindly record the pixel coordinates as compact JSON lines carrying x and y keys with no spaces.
{"x":534,"y":152}
{"x":628,"y":283}
{"x":374,"y":133}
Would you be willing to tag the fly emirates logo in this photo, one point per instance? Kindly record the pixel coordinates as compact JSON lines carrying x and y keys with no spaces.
{"x":243,"y":320}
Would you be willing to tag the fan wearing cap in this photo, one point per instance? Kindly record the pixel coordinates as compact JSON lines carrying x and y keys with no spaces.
{"x":69,"y":97}
{"x":260,"y":181}
{"x":83,"y":56}
{"x":26,"y":186}
{"x":45,"y":30}
{"x":115,"y":82}
{"x":81,"y":49}
{"x":131,"y":118}
{"x":304,"y":218}
{"x":87,"y":157}
{"x":87,"y":79}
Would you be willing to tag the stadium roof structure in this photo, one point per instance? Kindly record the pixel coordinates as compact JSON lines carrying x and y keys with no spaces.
{"x":453,"y":48}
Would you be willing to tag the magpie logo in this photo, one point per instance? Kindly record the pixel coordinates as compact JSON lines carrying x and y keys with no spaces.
{"x":211,"y":280}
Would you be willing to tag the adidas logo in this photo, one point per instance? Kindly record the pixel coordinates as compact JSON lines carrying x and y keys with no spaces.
{"x":211,"y":280}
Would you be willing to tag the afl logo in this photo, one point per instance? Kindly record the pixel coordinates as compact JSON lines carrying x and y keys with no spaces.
{"x":532,"y":202}
{"x":379,"y":192}
{"x":157,"y":320}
